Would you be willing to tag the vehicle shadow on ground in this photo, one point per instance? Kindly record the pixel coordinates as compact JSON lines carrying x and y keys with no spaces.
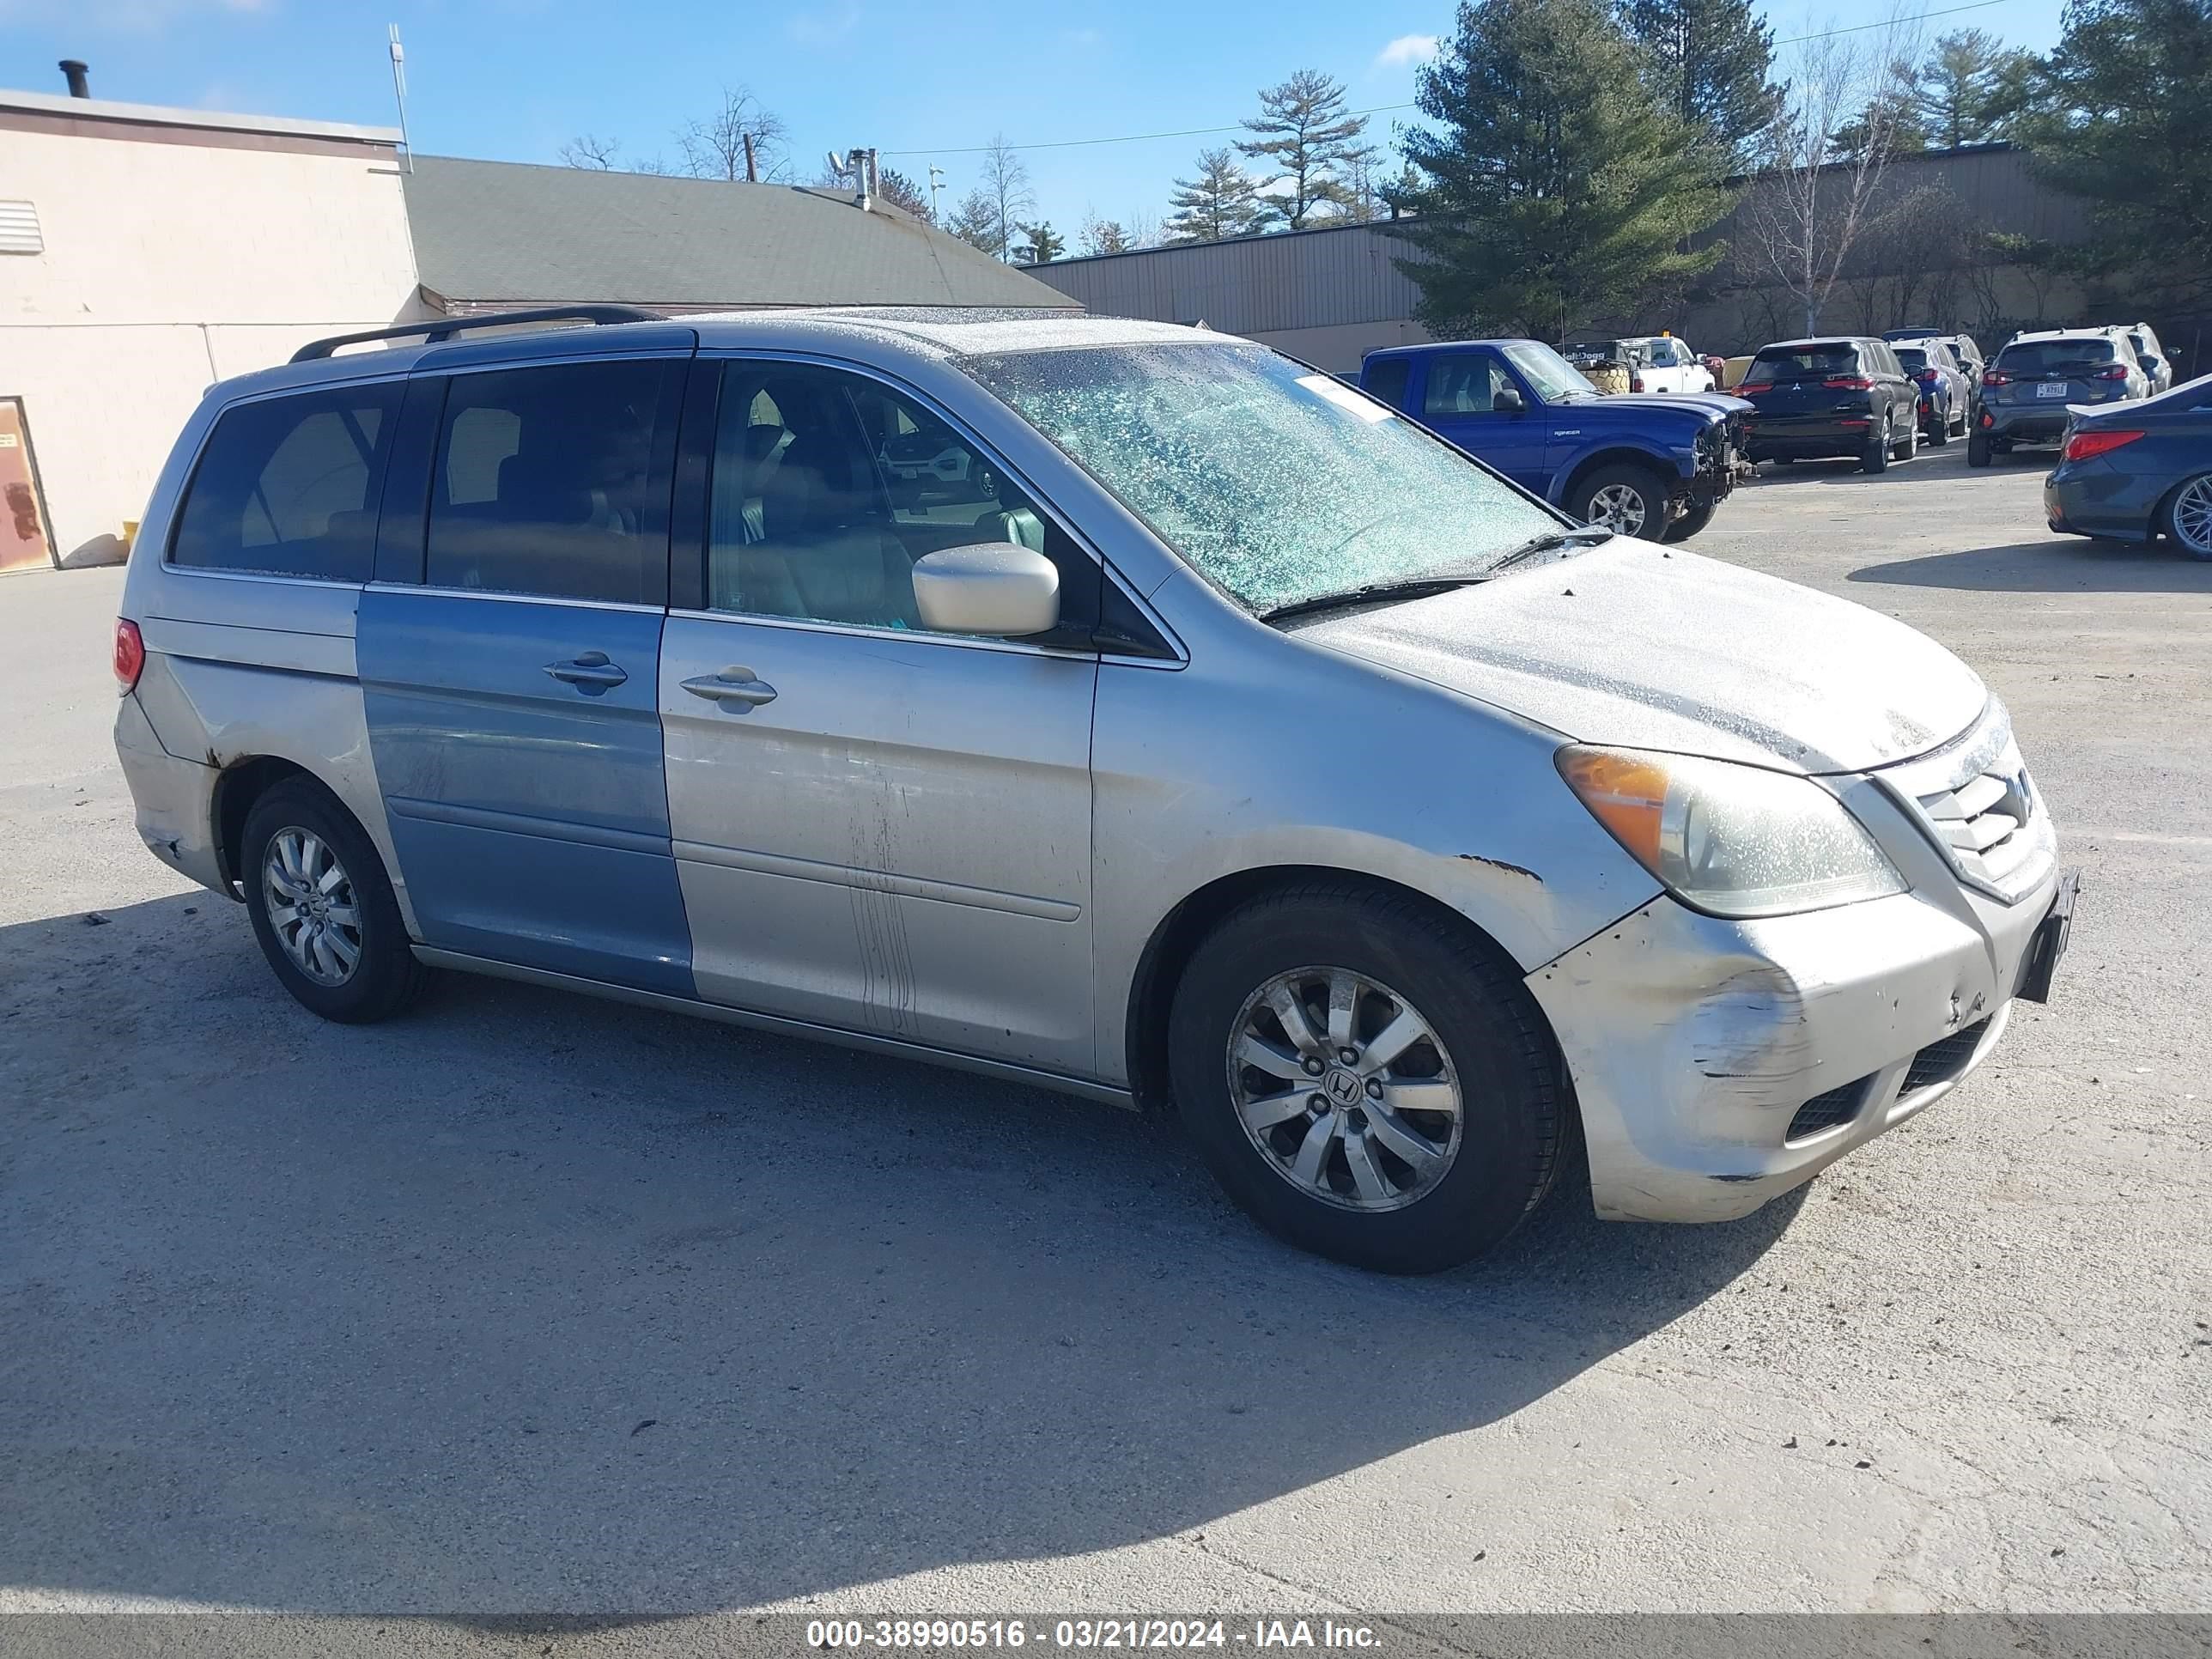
{"x":529,"y":1303}
{"x":2049,"y":564}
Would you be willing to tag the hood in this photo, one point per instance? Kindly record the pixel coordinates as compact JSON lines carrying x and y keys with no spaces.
{"x":1639,"y":647}
{"x":1636,"y":408}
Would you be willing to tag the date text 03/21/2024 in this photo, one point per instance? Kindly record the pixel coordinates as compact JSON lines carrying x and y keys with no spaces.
{"x":1085,"y":1633}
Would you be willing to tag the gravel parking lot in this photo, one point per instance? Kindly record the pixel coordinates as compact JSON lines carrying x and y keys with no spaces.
{"x":533,"y":1304}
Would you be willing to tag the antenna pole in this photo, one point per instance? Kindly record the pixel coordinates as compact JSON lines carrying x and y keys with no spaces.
{"x":936,"y":190}
{"x":399,"y":92}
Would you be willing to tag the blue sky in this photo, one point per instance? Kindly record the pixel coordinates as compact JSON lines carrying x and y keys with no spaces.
{"x":513,"y":79}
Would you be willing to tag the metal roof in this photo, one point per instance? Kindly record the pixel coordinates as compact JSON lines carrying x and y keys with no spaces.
{"x":508,"y":231}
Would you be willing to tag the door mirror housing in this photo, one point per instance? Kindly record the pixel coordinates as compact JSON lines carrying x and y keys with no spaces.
{"x":1507,"y":401}
{"x":999,"y":589}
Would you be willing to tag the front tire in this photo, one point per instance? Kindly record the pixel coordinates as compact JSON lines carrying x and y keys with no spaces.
{"x":1365,"y":1078}
{"x":322,"y":907}
{"x":1627,"y":500}
{"x":1694,"y":519}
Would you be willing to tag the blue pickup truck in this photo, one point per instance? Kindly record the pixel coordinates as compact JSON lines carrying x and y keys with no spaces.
{"x":1654,"y":465}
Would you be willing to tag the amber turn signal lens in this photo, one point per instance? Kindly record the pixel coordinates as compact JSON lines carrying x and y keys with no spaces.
{"x":1626,"y":795}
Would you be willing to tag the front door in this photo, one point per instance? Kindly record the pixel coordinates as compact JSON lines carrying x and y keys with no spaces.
{"x":1460,"y":399}
{"x":877,"y":826}
{"x":512,"y":696}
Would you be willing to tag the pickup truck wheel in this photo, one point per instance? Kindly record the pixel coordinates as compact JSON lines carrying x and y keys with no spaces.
{"x":1627,"y":498}
{"x":322,"y":908}
{"x":1365,"y":1078}
{"x":1691,"y":521}
{"x":1875,"y":457}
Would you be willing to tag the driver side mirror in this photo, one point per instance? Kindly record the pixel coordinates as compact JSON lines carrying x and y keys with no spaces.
{"x":999,"y":589}
{"x":1508,"y":401}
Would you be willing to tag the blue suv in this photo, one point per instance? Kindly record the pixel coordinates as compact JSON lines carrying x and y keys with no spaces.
{"x":1654,"y":466}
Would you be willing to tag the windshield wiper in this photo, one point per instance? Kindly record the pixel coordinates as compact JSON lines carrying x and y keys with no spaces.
{"x":1409,"y":587}
{"x":1441,"y":581}
{"x":1581,"y":536}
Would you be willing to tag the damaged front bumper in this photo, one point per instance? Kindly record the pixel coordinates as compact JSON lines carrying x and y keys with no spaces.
{"x":1718,"y":1064}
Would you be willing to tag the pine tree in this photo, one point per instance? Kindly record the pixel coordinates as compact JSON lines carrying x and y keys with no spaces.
{"x":1713,"y":59}
{"x":1970,"y":87}
{"x":2125,"y":129}
{"x":1221,"y":201}
{"x":1040,"y":244}
{"x":902,"y":192}
{"x":1305,"y":135}
{"x":1557,"y":191}
{"x":975,"y":222}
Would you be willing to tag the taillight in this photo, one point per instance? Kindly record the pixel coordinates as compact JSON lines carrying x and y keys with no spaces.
{"x":2096,"y":442}
{"x":2117,"y":372}
{"x":1926,"y":377}
{"x":1747,"y":387}
{"x":1849,"y":383}
{"x":1996,"y":377}
{"x":130,"y":654}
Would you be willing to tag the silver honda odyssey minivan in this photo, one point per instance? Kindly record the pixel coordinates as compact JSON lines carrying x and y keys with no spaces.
{"x":1121,"y":709}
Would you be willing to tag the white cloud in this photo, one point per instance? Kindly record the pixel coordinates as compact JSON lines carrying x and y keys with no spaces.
{"x":1406,"y":51}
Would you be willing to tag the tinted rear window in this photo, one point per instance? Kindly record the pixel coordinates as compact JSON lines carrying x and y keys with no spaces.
{"x":288,"y":486}
{"x":1386,"y":380}
{"x":1804,"y":362}
{"x":1912,"y":358}
{"x":2055,"y":357}
{"x":544,"y":482}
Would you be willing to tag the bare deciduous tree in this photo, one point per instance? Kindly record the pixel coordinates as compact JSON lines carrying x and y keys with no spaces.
{"x":715,"y":147}
{"x":1100,"y":236}
{"x":1803,"y":214}
{"x":589,"y":151}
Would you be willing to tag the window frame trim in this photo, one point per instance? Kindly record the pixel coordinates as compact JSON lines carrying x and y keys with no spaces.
{"x":168,"y":561}
{"x":699,"y":514}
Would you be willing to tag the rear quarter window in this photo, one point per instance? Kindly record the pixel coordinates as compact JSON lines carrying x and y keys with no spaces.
{"x":288,"y":486}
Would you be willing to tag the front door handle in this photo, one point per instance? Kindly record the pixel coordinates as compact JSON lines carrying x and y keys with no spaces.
{"x":591,"y":673}
{"x":732,"y":685}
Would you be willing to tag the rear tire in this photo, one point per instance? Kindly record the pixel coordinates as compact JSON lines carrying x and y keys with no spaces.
{"x":322,"y":907}
{"x":1876,"y":456}
{"x":1328,"y":1179}
{"x":1940,"y":432}
{"x":1906,"y":448}
{"x":1978,"y":449}
{"x":2189,"y":517}
{"x":1629,"y":500}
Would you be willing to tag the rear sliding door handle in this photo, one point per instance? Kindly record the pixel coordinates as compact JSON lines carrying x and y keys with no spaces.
{"x":732,"y":685}
{"x":590,"y":672}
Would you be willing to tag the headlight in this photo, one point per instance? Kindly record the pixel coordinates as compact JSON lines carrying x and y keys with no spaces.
{"x":1733,"y":841}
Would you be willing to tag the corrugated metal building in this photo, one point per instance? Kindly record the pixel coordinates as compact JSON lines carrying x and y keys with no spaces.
{"x":1331,"y":294}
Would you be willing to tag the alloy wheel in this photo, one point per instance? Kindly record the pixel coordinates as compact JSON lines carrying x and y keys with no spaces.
{"x":312,"y":907}
{"x":2192,"y":516}
{"x":1619,"y":507}
{"x":1345,"y":1089}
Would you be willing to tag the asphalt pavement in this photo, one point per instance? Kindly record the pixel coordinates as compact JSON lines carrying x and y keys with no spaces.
{"x":531,"y":1304}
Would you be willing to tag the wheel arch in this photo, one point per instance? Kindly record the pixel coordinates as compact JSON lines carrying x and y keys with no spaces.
{"x":1179,"y":932}
{"x":1612,"y":453}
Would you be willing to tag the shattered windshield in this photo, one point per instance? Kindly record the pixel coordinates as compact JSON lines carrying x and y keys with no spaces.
{"x":1273,"y":480}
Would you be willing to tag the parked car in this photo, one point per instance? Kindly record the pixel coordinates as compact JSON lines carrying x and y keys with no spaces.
{"x":1945,"y":400}
{"x":1844,"y":395}
{"x":1655,"y":362}
{"x":1649,"y":466}
{"x":2027,"y":391}
{"x":1969,"y":351}
{"x":2150,"y":358}
{"x":2129,"y":472}
{"x":526,"y":655}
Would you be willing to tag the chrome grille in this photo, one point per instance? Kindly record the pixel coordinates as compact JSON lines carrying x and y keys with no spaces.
{"x":1974,"y":797}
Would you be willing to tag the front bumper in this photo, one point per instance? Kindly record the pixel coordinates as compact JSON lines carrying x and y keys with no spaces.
{"x":1718,"y":1064}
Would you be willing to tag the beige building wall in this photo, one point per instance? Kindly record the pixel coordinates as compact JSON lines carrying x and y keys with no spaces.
{"x":179,"y":248}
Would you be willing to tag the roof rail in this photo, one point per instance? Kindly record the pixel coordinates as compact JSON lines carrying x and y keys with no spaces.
{"x":445,"y":328}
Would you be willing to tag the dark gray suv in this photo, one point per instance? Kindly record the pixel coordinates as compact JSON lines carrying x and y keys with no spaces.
{"x":2027,"y":391}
